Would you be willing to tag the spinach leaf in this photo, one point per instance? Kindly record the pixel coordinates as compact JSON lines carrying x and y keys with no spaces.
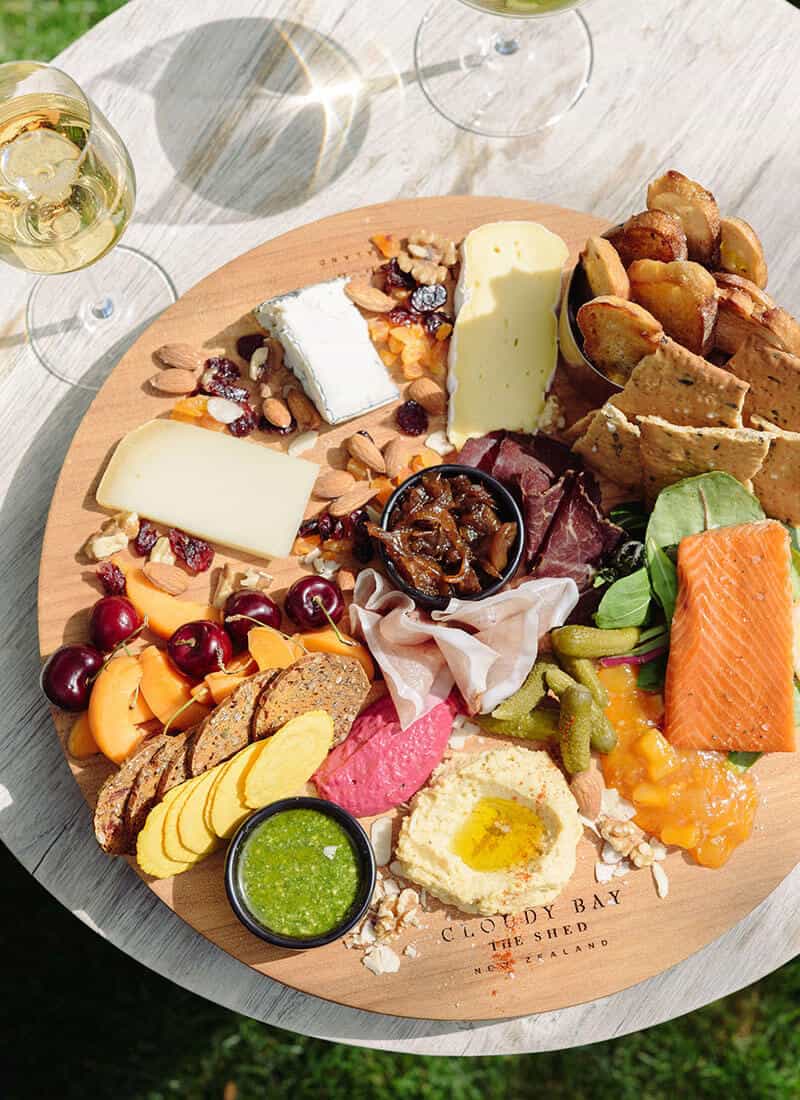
{"x":651,"y":676}
{"x":663,"y":578}
{"x":743,"y":760}
{"x":626,"y":603}
{"x":698,"y":503}
{"x":631,"y":517}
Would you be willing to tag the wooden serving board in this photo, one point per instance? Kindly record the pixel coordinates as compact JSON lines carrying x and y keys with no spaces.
{"x":593,"y":940}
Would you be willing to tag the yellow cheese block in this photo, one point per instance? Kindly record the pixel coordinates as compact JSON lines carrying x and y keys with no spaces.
{"x":290,"y":758}
{"x":504,"y":348}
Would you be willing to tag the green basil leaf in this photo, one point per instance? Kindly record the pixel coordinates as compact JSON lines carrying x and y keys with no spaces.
{"x":651,"y":676}
{"x":663,"y":578}
{"x":626,"y":603}
{"x":699,"y":503}
{"x":631,"y":517}
{"x":743,"y":760}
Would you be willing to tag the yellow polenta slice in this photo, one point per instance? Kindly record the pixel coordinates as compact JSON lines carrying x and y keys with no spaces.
{"x":173,"y":846}
{"x":228,"y":807}
{"x":219,"y":771}
{"x":150,"y":854}
{"x":289,"y":759}
{"x":193,"y":832}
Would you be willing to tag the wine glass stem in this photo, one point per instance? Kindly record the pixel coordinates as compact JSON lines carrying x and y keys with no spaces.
{"x":506,"y":46}
{"x":100,"y":304}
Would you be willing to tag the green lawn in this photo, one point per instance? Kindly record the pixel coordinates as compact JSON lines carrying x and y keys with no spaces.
{"x":82,"y":1020}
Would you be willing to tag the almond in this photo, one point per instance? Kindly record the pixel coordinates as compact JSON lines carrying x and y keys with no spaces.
{"x":361,"y":494}
{"x":174,"y":381}
{"x":275,"y":357}
{"x":277,"y":412}
{"x":587,"y":787}
{"x":180,"y":357}
{"x":364,"y":450}
{"x":394,"y":456}
{"x":346,"y":580}
{"x":369,"y":297}
{"x":303,"y":410}
{"x":333,"y":483}
{"x":169,"y":578}
{"x":426,"y":393}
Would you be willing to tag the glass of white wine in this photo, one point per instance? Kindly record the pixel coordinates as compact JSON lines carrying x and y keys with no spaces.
{"x":67,"y":191}
{"x":504,"y":68}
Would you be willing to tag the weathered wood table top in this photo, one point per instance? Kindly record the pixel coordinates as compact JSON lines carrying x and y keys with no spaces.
{"x":250,"y":118}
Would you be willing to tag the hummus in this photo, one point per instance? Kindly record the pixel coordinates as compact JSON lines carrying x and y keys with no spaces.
{"x":497,"y":834}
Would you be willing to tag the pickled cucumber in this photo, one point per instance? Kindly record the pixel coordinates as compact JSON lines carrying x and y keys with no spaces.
{"x":528,"y":696}
{"x":583,"y":670}
{"x":575,"y":728}
{"x":540,"y":725}
{"x":590,"y":641}
{"x":604,"y":737}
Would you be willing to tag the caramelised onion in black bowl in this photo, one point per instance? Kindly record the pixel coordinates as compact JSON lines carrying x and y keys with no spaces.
{"x":450,"y":532}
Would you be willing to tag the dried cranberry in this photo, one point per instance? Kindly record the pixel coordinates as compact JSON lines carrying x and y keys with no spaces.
{"x":196,"y":554}
{"x":265,"y":426}
{"x":309,"y":527}
{"x":246,"y":346}
{"x":111,"y":578}
{"x":426,"y":299}
{"x":402,"y":316}
{"x":218,"y":387}
{"x":146,"y":539}
{"x":223,"y":369}
{"x":434,"y":321}
{"x":363,"y":547}
{"x":395,"y":279}
{"x":412,"y":418}
{"x":247,"y":422}
{"x":325,"y":525}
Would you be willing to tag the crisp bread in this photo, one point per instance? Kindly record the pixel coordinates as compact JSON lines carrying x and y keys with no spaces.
{"x":321,"y":681}
{"x":684,"y":389}
{"x":670,"y":453}
{"x":176,"y":769}
{"x":227,"y":729}
{"x":109,"y":814}
{"x":777,"y":483}
{"x":143,"y":790}
{"x":774,"y":378}
{"x":610,"y":448}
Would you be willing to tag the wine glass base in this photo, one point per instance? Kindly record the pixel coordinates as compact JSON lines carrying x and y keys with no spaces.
{"x":81,"y":323}
{"x":500,"y":76}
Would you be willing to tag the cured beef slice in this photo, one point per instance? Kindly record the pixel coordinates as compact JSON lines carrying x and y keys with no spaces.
{"x":579,"y":535}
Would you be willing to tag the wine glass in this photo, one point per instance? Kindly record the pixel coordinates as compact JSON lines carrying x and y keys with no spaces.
{"x":67,"y":190}
{"x":504,"y":68}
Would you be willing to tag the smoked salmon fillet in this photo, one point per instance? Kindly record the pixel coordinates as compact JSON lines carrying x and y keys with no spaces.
{"x":730,"y":676}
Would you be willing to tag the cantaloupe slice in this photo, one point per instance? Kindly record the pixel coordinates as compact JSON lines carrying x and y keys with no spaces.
{"x":228,"y":807}
{"x":165,"y":613}
{"x":326,"y":641}
{"x":202,"y":694}
{"x":80,"y":742}
{"x":174,"y":848}
{"x":271,"y":649}
{"x":140,"y":711}
{"x":166,"y":691}
{"x":289,"y":759}
{"x":150,"y":854}
{"x":193,"y":832}
{"x":222,"y":684}
{"x":110,"y":709}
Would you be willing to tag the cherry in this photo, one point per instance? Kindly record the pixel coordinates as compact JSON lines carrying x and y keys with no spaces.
{"x":314,"y":602}
{"x":199,"y":648}
{"x":248,"y":608}
{"x":68,"y":673}
{"x":113,"y":619}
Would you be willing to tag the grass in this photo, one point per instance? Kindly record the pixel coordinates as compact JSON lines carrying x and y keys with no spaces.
{"x":80,"y":1019}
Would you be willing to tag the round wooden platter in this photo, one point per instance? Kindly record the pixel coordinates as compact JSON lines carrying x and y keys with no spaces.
{"x":594,"y":939}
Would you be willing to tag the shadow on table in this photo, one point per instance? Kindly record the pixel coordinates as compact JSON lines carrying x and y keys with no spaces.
{"x":255,"y":116}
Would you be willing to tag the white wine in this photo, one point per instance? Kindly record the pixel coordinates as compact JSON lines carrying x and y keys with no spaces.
{"x":66,"y":183}
{"x":520,"y":8}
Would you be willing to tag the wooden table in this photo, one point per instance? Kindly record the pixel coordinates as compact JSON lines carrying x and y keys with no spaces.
{"x":249,"y":118}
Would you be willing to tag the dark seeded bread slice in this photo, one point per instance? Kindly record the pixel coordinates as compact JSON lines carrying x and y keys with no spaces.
{"x":144,"y":790}
{"x":227,"y":729}
{"x":321,"y":681}
{"x":177,"y":768}
{"x":109,"y":815}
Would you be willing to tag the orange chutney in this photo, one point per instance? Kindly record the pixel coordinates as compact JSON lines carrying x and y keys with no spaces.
{"x":695,"y":800}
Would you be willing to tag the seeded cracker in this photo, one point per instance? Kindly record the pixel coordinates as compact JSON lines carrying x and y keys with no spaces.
{"x":777,"y":483}
{"x":671,"y":453}
{"x":177,"y":769}
{"x":227,"y":729}
{"x":109,"y":814}
{"x":145,"y":786}
{"x":610,"y":447}
{"x":774,"y":378}
{"x":683,"y":388}
{"x":321,"y":681}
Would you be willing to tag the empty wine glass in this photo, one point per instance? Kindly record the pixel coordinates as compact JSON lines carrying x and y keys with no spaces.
{"x":504,"y":68}
{"x":67,"y":191}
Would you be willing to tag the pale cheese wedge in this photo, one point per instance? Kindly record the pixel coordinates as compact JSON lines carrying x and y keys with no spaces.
{"x":150,"y":853}
{"x":193,"y":832}
{"x":290,"y":758}
{"x":228,"y":807}
{"x":504,"y":348}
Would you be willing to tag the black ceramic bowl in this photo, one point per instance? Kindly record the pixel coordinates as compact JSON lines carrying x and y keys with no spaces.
{"x":578,"y":293}
{"x":507,"y":508}
{"x":363,"y":849}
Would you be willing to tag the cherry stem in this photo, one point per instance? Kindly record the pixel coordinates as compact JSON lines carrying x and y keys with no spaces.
{"x":123,"y":645}
{"x":177,"y":714}
{"x":339,"y":636}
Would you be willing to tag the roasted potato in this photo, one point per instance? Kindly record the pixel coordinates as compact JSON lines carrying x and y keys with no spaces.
{"x":604,"y":270}
{"x":696,"y":209}
{"x":652,"y":235}
{"x":617,"y":334}
{"x":682,"y":295}
{"x":741,"y":252}
{"x":745,"y":309}
{"x":740,"y":285}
